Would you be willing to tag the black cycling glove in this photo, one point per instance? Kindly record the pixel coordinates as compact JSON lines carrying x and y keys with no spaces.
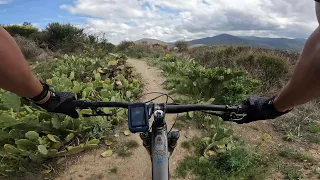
{"x":260,"y":108}
{"x":60,"y":102}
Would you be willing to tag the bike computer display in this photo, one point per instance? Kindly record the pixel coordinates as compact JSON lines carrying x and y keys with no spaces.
{"x":138,"y":117}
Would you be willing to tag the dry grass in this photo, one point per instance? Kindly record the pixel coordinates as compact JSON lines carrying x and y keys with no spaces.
{"x":302,"y":124}
{"x":30,"y":49}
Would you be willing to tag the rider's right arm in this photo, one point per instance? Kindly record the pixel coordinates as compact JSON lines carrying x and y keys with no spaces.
{"x":304,"y":84}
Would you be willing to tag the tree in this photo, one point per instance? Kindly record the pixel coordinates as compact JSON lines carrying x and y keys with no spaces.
{"x":182,"y":45}
{"x":27,"y":24}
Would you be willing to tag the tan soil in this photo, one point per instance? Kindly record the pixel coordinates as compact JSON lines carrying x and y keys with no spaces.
{"x":91,"y":165}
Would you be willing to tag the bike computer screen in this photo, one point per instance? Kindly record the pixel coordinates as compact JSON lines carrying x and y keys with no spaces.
{"x":138,"y":117}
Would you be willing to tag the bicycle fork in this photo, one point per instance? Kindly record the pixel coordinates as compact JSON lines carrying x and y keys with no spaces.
{"x":173,"y":137}
{"x":160,"y":144}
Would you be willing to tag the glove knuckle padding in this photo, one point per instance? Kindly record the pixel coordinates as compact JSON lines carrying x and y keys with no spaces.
{"x":61,"y":102}
{"x":260,"y":108}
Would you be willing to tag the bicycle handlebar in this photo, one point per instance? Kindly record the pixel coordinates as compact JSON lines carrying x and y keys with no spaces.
{"x":95,"y":104}
{"x":241,"y":109}
{"x":198,"y":107}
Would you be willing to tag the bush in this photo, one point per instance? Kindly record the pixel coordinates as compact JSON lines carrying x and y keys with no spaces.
{"x":30,"y":49}
{"x":58,"y":38}
{"x":124,"y":45}
{"x":25,"y":30}
{"x":141,"y":49}
{"x":264,"y":66}
{"x":182,"y":45}
{"x":65,"y":37}
{"x":106,"y":46}
{"x":268,"y":66}
{"x":190,"y":78}
{"x":95,"y":47}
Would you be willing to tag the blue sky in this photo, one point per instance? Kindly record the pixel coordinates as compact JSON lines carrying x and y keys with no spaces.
{"x":38,"y":12}
{"x":168,"y":20}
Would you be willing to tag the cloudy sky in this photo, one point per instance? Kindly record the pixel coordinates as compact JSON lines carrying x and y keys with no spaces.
{"x":168,"y":20}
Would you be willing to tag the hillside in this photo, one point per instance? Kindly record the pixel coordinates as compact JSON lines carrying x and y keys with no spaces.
{"x":268,"y":43}
{"x":222,"y":39}
{"x":278,"y":43}
{"x":227,"y":39}
{"x":151,"y":41}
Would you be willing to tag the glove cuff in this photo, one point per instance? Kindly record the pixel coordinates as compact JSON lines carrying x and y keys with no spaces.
{"x":43,"y":93}
{"x":272,"y":110}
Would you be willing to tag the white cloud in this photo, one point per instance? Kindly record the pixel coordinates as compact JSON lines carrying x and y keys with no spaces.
{"x":5,"y":1}
{"x":170,"y":20}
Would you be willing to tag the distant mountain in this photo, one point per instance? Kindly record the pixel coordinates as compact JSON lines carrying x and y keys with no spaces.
{"x":227,"y":39}
{"x":151,"y":41}
{"x":222,"y":39}
{"x":278,"y":43}
{"x":269,"y":43}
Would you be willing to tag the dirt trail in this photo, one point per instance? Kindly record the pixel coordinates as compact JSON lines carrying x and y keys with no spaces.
{"x":138,"y":166}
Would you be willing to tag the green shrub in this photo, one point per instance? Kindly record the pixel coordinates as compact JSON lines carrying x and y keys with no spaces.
{"x":65,"y":37}
{"x":106,"y":46}
{"x":268,"y":66}
{"x":265,"y":66}
{"x":190,"y":78}
{"x":25,"y":30}
{"x":182,"y":45}
{"x":124,"y":45}
{"x":97,"y":47}
{"x":59,"y":38}
{"x":141,"y":49}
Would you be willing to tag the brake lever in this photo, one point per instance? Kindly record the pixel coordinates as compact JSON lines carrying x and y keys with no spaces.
{"x":222,"y":115}
{"x":234,"y":117}
{"x":226,"y":116}
{"x":97,"y":112}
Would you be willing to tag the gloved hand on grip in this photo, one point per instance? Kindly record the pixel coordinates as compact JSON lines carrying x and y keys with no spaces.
{"x":60,"y":102}
{"x":260,"y":108}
